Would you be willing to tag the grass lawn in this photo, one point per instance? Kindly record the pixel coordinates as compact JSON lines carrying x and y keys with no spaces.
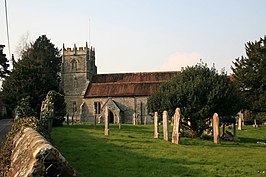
{"x":132,"y":151}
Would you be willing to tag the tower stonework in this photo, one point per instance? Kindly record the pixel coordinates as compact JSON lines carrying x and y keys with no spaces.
{"x":78,"y":68}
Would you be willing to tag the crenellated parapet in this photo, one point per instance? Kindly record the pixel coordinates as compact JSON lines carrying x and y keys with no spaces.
{"x":78,"y":50}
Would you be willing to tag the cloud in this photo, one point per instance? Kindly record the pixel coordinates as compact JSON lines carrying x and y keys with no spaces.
{"x":179,"y":59}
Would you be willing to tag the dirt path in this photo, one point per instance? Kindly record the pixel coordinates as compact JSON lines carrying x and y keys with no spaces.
{"x":5,"y":125}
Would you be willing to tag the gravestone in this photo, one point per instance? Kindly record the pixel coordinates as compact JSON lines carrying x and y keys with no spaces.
{"x":156,"y":134}
{"x":255,"y":124}
{"x":165,"y":126}
{"x":240,"y":120}
{"x":175,"y":134}
{"x":106,"y":122}
{"x":135,"y":120}
{"x":145,"y":120}
{"x":216,"y":129}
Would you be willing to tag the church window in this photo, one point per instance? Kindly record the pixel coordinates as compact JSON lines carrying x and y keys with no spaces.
{"x":74,"y":107}
{"x":74,"y":65}
{"x":75,"y":82}
{"x":97,"y":107}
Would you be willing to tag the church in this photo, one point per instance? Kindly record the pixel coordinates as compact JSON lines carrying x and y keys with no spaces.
{"x":87,"y":93}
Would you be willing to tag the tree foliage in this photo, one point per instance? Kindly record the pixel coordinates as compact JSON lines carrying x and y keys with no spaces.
{"x":3,"y":63}
{"x":250,"y":75}
{"x":34,"y":75}
{"x":199,"y":92}
{"x":23,"y":109}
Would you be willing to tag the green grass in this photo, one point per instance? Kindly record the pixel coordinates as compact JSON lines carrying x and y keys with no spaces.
{"x":132,"y":151}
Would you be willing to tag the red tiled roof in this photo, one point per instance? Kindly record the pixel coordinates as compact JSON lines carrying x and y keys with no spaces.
{"x":127,"y":84}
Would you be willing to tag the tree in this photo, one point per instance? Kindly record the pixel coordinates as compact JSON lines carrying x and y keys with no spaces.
{"x":60,"y":109}
{"x":34,"y":75}
{"x":3,"y":63}
{"x":199,"y":92}
{"x":249,"y":74}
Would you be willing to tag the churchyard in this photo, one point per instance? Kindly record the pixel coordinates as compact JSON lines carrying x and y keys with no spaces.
{"x":133,"y":151}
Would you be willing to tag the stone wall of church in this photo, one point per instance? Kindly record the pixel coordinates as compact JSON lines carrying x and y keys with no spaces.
{"x":127,"y":105}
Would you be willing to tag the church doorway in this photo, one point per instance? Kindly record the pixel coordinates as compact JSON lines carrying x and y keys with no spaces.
{"x":111,"y":117}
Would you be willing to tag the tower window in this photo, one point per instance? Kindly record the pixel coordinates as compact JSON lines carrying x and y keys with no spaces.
{"x":75,"y":82}
{"x":74,"y":107}
{"x":74,"y":65}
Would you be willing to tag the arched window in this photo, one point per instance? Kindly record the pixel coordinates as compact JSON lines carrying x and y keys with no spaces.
{"x":74,"y":107}
{"x":75,"y":82}
{"x":74,"y":65}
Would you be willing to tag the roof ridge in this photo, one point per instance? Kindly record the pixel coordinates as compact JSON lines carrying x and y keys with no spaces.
{"x":111,"y":83}
{"x":140,"y":72}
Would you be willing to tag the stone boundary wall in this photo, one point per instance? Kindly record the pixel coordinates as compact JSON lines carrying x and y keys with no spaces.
{"x":33,"y":155}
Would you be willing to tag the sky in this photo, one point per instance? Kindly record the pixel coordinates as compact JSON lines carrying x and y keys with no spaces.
{"x":140,"y":35}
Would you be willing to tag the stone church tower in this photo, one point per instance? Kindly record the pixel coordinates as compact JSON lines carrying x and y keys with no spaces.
{"x":78,"y":68}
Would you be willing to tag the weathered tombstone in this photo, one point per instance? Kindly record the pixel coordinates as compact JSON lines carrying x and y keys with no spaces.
{"x":165,"y":126}
{"x":156,"y":134}
{"x":106,"y":122}
{"x":145,"y":120}
{"x":175,"y":134}
{"x":240,"y":120}
{"x":216,"y":129}
{"x":255,"y":123}
{"x":134,"y":118}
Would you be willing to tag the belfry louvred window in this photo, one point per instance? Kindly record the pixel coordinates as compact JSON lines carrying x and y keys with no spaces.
{"x":74,"y":65}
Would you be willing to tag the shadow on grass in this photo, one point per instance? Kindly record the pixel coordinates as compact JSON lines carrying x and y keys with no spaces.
{"x":101,"y":157}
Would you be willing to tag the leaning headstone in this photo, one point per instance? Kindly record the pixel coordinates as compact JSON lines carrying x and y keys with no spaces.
{"x":175,"y":134}
{"x":165,"y":126}
{"x":156,"y":134}
{"x":106,"y":122}
{"x":216,"y":129}
{"x":240,"y":120}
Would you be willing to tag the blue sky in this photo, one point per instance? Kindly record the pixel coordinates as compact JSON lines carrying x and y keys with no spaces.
{"x":141,"y":35}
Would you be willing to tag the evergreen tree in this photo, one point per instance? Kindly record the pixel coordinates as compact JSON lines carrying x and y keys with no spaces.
{"x":3,"y":63}
{"x":199,"y":92}
{"x":250,"y":75}
{"x":34,"y":75}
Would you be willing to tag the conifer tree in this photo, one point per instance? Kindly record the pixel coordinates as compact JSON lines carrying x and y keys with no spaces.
{"x":3,"y":63}
{"x":250,"y":75}
{"x":34,"y":75}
